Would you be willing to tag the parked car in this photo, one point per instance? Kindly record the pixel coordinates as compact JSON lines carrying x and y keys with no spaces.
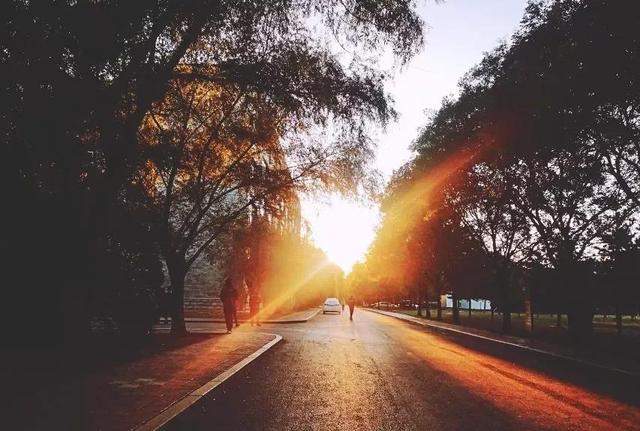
{"x":331,"y":305}
{"x":408,"y":304}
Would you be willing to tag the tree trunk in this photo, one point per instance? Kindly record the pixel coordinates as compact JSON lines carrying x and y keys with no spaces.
{"x":469,"y":310}
{"x":528,"y":311}
{"x":559,"y":320}
{"x":427,"y":309}
{"x":506,"y":321}
{"x":177,"y":275}
{"x":439,"y":303}
{"x":618,"y":318}
{"x":455,"y":310}
{"x":505,"y":306}
{"x":503,"y":278}
{"x":580,"y":309}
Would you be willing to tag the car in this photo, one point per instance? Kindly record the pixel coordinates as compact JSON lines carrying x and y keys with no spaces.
{"x":408,"y":304}
{"x":331,"y":305}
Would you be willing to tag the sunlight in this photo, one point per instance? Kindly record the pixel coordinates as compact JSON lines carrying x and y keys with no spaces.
{"x":413,"y":205}
{"x":343,"y":229}
{"x":271,"y":308}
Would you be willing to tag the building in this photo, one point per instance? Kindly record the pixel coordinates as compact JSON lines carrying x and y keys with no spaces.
{"x":463,"y":304}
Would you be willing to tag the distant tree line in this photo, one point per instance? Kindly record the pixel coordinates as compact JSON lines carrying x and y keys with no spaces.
{"x":525,"y":187}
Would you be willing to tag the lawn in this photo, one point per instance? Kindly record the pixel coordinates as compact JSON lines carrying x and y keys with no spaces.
{"x":544,"y":328}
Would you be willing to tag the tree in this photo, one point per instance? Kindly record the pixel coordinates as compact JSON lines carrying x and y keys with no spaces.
{"x":90,"y":74}
{"x":621,"y":271}
{"x":490,"y":216}
{"x":558,"y":181}
{"x":218,"y":154}
{"x":588,"y":80}
{"x":212,"y":156}
{"x":538,"y":154}
{"x":102,"y":65}
{"x":571,"y":206}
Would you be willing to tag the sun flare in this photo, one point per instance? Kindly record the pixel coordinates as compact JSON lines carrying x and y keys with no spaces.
{"x":342,"y":228}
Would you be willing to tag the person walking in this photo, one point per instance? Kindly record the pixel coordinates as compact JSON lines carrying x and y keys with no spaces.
{"x":352,"y":305}
{"x":254,"y":307}
{"x":227,"y":296}
{"x":236,"y":297}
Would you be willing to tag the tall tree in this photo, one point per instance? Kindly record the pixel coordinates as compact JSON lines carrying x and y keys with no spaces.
{"x":217,"y":155}
{"x":89,"y":73}
{"x":490,"y":216}
{"x":544,"y":130}
{"x":622,"y":269}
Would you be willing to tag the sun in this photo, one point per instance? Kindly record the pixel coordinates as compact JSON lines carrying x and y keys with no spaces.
{"x":342,"y":228}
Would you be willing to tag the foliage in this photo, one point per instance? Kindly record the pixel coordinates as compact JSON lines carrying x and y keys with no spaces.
{"x":83,"y":80}
{"x":534,"y":163}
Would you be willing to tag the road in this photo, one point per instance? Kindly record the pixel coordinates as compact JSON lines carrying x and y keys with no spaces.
{"x":378,"y":373}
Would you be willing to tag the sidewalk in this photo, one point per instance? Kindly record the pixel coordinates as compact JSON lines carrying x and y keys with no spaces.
{"x":594,"y":359}
{"x":127,"y":395}
{"x":295,"y":317}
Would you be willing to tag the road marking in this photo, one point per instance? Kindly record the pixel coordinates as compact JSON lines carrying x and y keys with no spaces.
{"x":191,"y":398}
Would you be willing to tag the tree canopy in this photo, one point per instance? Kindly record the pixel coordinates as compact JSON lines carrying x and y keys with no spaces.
{"x":99,"y":124}
{"x":534,"y":162}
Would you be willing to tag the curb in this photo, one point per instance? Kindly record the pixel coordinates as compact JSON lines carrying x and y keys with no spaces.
{"x":314,"y":314}
{"x":191,"y":398}
{"x":410,"y":320}
{"x":276,"y":321}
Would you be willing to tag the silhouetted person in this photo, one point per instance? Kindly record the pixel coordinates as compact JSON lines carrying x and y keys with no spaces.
{"x":254,"y":307}
{"x":227,"y":296}
{"x":352,"y":306}
{"x":236,"y":296}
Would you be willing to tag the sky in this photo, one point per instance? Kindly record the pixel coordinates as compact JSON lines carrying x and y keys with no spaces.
{"x":457,"y":33}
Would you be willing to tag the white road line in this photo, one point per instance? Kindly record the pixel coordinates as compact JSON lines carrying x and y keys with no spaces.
{"x":188,"y":400}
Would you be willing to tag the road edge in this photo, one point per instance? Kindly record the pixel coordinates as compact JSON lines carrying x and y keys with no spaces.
{"x":311,"y":316}
{"x":192,"y":397}
{"x":583,"y":362}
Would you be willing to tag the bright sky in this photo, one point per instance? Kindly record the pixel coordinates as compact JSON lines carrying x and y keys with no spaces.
{"x":458,"y":33}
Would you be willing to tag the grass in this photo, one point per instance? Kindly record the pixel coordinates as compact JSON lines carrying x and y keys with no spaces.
{"x":482,"y":319}
{"x":605,"y":337}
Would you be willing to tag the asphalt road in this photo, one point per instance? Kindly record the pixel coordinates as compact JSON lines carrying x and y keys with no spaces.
{"x":378,"y":373}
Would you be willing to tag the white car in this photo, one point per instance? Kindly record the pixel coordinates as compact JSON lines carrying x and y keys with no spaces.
{"x":331,"y":305}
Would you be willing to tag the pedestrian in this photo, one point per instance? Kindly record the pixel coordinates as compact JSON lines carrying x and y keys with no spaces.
{"x":254,"y":307}
{"x":236,"y":297}
{"x":227,"y":296}
{"x":352,"y":306}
